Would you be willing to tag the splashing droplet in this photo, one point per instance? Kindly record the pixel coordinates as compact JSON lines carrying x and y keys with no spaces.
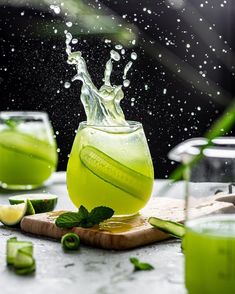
{"x":55,"y":8}
{"x":67,"y":85}
{"x":69,"y":24}
{"x":133,"y":56}
{"x":126,"y":83}
{"x":118,"y":47}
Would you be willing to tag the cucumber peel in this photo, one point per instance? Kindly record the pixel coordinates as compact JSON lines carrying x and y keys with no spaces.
{"x":173,"y":228}
{"x":20,"y":256}
{"x":115,"y":173}
{"x":40,"y":202}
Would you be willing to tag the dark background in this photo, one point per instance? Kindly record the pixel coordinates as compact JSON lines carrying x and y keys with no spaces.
{"x":177,"y":90}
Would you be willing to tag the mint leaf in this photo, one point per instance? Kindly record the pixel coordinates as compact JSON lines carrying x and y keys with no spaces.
{"x":99,"y":214}
{"x":83,"y":218}
{"x":68,"y":220}
{"x":140,"y":266}
{"x":83,"y":212}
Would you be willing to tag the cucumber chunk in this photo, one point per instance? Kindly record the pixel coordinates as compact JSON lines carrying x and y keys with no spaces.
{"x":115,"y":173}
{"x":24,"y":257}
{"x":173,"y":228}
{"x":40,"y":202}
{"x":13,"y":246}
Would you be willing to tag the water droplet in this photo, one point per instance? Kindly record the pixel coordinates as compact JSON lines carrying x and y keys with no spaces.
{"x":69,"y":24}
{"x":107,"y":41}
{"x":164,"y":91}
{"x":55,"y":8}
{"x":188,"y":46}
{"x":126,"y":83}
{"x":133,"y":56}
{"x":22,"y":13}
{"x":115,"y":55}
{"x":74,"y":41}
{"x":67,"y":85}
{"x":118,"y":47}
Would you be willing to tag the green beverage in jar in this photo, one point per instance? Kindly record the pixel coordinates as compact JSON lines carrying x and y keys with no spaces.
{"x":27,"y":150}
{"x":210,"y":255}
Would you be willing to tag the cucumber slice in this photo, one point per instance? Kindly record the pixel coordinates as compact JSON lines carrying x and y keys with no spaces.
{"x":13,"y":246}
{"x":26,"y":270}
{"x":173,"y":228}
{"x":24,"y":258}
{"x":27,"y":144}
{"x":115,"y":173}
{"x":11,"y":215}
{"x":41,"y":202}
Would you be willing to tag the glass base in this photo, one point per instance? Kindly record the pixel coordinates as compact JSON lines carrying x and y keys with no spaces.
{"x":122,"y":223}
{"x":19,"y":187}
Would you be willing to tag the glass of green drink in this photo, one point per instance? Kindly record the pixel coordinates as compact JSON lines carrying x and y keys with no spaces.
{"x":210,"y":234}
{"x":27,"y":150}
{"x":110,"y":166}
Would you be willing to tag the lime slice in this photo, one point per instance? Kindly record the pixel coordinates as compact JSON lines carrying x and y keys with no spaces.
{"x":115,"y":173}
{"x":11,"y":215}
{"x":41,"y":202}
{"x":27,"y":144}
{"x":13,"y":246}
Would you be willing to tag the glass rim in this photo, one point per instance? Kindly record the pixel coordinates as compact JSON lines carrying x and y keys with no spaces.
{"x":26,"y":114}
{"x":223,"y":147}
{"x":131,"y":123}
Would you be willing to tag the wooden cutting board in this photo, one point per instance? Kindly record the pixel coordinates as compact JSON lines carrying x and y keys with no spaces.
{"x":135,"y":231}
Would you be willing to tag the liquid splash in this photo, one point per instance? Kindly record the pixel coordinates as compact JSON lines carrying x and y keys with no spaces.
{"x":102,"y":106}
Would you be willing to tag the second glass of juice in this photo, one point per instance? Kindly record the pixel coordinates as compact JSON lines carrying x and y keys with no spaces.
{"x":209,"y":244}
{"x":110,"y":166}
{"x":27,"y":149}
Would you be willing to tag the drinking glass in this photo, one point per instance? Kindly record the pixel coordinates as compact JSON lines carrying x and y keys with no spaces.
{"x":209,"y":244}
{"x":27,"y":149}
{"x":110,"y":166}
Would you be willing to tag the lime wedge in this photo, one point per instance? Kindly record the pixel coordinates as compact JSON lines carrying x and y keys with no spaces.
{"x":40,"y":202}
{"x":115,"y":173}
{"x":11,"y":215}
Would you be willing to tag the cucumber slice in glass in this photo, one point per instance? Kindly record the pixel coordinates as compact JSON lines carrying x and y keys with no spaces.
{"x":41,"y":202}
{"x":115,"y":173}
{"x":24,"y":143}
{"x":173,"y":228}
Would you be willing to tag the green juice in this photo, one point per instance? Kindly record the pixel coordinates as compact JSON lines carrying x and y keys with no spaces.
{"x":110,"y":163}
{"x":25,"y":160}
{"x":110,"y":166}
{"x":210,"y":255}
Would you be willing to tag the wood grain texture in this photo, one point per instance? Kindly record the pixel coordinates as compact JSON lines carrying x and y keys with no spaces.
{"x":123,"y":234}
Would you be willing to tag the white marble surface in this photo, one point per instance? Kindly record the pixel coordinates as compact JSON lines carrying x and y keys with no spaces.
{"x":93,"y":270}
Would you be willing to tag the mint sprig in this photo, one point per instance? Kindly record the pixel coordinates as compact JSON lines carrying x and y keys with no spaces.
{"x":140,"y":266}
{"x":83,"y":218}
